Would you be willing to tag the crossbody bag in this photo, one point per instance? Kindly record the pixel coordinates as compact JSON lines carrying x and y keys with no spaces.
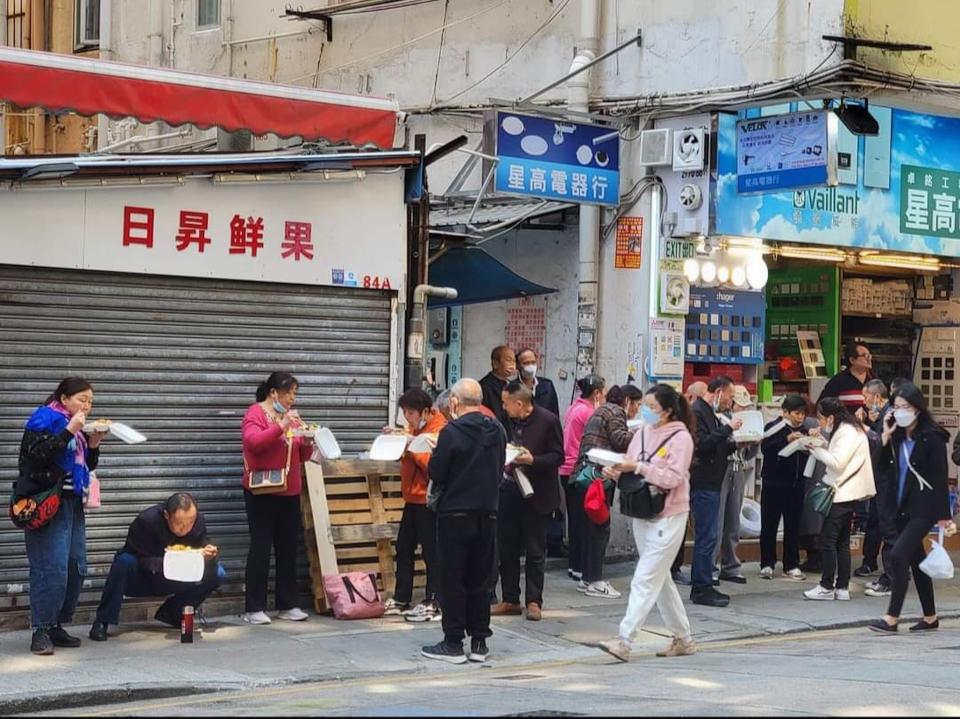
{"x":269,"y":481}
{"x":638,"y":498}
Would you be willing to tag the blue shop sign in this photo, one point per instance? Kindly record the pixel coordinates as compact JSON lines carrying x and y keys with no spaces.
{"x":557,"y":160}
{"x":725,"y":326}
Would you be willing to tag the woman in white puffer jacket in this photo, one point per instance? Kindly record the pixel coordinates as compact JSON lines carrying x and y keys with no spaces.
{"x":849,"y":470}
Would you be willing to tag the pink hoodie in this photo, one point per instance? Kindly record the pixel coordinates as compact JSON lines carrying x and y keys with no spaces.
{"x":574,"y":422}
{"x":670,"y":467}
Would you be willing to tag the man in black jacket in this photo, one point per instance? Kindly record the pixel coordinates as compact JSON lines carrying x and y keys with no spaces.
{"x":522,"y":524}
{"x":137,"y":570}
{"x":503,"y":363}
{"x":544,"y":393}
{"x":710,"y":458}
{"x":465,"y":472}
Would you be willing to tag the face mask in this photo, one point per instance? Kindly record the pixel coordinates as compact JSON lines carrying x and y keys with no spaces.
{"x":512,"y":377}
{"x":279,"y":408}
{"x":649,"y":416}
{"x":716,"y":404}
{"x":530,"y":370}
{"x":421,"y":424}
{"x":904,"y":417}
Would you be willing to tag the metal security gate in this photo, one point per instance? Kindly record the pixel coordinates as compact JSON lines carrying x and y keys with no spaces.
{"x":179,"y":359}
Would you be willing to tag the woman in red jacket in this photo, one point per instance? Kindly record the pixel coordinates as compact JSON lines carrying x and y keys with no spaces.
{"x":273,"y":519}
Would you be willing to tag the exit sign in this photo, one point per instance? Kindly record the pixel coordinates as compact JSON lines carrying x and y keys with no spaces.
{"x":678,"y":250}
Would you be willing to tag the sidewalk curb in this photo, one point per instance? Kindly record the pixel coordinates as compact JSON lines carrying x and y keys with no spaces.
{"x":145,"y":691}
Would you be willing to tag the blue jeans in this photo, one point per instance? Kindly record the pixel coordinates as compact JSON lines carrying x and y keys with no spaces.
{"x":57,"y":553}
{"x":705,"y":504}
{"x":126,"y":578}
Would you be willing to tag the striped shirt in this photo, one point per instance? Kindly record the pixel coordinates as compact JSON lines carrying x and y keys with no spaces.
{"x":847,"y":388}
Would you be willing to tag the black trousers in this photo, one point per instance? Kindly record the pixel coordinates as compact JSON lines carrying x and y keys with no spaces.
{"x":778,"y":501}
{"x":467,"y":555}
{"x":418,"y":526}
{"x":594,"y":539}
{"x":575,"y":520}
{"x":521,"y":530}
{"x":881,"y":528}
{"x":274,"y":523}
{"x":835,"y":546}
{"x":907,"y":553}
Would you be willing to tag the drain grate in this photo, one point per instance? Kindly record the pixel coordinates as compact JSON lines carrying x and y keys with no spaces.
{"x":521,"y":677}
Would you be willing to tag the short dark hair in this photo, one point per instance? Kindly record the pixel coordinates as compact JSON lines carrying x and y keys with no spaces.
{"x":896,"y":383}
{"x":497,"y":351}
{"x":415,"y":399}
{"x":793,"y":402}
{"x":721,"y":381}
{"x":631,"y":392}
{"x":518,"y":390}
{"x":850,"y":350}
{"x":615,"y":395}
{"x":181,"y":501}
{"x":531,"y":350}
{"x":876,"y":386}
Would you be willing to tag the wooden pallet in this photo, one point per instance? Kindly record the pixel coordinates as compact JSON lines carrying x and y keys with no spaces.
{"x":351,"y":515}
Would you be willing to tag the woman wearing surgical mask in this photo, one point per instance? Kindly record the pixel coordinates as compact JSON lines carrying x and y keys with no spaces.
{"x":916,"y":447}
{"x":273,"y":519}
{"x":850,"y":471}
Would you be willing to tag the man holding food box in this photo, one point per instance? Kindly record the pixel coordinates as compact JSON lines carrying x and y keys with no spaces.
{"x":418,"y":524}
{"x":142,"y":568}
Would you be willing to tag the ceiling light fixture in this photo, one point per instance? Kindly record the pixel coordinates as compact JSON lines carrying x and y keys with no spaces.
{"x":821,"y":254}
{"x":906,"y":262}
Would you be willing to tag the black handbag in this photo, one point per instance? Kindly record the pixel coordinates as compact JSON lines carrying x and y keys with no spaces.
{"x":638,"y":498}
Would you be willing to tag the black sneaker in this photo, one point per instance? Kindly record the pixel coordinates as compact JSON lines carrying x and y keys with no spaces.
{"x":478,"y":650}
{"x":709,"y":597}
{"x":734,"y":578}
{"x":881,"y":627}
{"x":41,"y":643}
{"x":445,"y":652}
{"x":60,"y":638}
{"x":98,"y":632}
{"x":864,"y":570}
{"x":924,"y":626}
{"x":168,"y":616}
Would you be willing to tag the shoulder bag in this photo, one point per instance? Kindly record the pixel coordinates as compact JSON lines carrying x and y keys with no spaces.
{"x":638,"y":498}
{"x":269,"y":481}
{"x":822,"y":494}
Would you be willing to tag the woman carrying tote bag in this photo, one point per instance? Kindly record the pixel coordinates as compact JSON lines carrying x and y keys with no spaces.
{"x":660,"y":452}
{"x":849,"y":472}
{"x":916,"y":446}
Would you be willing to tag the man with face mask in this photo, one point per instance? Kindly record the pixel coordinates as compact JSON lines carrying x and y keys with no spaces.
{"x":714,"y":445}
{"x":544,"y":393}
{"x":503,"y":364}
{"x":137,"y":570}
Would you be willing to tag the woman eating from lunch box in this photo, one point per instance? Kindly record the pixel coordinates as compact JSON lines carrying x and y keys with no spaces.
{"x":272,"y":457}
{"x":56,"y":458}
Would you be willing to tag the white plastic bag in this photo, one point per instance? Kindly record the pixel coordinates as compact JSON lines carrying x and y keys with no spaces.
{"x":937,"y":565}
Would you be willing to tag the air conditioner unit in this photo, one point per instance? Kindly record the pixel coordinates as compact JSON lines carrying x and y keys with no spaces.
{"x":655,"y":148}
{"x":688,"y":149}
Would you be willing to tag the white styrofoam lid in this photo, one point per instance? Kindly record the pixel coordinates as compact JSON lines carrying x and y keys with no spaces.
{"x":183,"y":565}
{"x":126,"y":433}
{"x":605,"y":457}
{"x":327,"y":443}
{"x":388,"y":447}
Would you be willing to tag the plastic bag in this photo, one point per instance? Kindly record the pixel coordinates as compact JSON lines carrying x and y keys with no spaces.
{"x":937,"y":565}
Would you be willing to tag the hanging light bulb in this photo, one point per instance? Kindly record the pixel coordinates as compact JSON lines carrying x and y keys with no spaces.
{"x":757,"y":273}
{"x":709,"y":271}
{"x":739,"y":276}
{"x":691,"y":270}
{"x":723,"y":273}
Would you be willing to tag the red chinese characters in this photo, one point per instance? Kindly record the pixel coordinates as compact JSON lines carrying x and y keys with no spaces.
{"x":296,"y":240}
{"x":138,"y":226}
{"x":246,"y":235}
{"x":193,"y":230}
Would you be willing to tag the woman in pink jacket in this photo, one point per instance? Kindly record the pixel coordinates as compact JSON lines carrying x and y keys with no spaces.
{"x":661,"y":453}
{"x":592,"y":392}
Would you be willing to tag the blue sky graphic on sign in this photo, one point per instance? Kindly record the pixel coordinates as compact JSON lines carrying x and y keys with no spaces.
{"x":864,"y":210}
{"x":557,"y":160}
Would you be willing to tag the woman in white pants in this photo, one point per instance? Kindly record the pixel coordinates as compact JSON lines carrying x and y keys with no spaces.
{"x":661,"y":453}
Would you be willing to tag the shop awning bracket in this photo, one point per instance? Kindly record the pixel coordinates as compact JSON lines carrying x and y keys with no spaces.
{"x":302,"y":14}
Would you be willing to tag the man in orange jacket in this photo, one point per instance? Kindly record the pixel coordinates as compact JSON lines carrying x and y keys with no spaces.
{"x":418,"y":525}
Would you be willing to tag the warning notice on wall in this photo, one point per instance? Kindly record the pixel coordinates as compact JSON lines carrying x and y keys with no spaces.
{"x":527,"y":325}
{"x":629,"y":242}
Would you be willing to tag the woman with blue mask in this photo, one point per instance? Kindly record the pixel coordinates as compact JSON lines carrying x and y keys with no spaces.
{"x":56,"y":454}
{"x":269,"y":443}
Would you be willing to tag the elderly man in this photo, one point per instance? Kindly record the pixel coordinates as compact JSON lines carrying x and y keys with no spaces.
{"x":503,"y":363}
{"x":544,"y":393}
{"x":695,"y":391}
{"x":465,"y":469}
{"x":137,"y":570}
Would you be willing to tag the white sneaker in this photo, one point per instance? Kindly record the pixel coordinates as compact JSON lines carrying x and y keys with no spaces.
{"x":602,"y":589}
{"x":766,"y":573}
{"x":424,"y":612}
{"x":256,"y":618}
{"x":877,"y":589}
{"x":582,"y":586}
{"x":392,"y":607}
{"x":293,"y":615}
{"x":820,"y":593}
{"x":575,"y":576}
{"x":795,"y":575}
{"x":842,"y":595}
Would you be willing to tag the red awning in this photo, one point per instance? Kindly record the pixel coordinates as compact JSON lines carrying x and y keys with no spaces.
{"x":88,"y":87}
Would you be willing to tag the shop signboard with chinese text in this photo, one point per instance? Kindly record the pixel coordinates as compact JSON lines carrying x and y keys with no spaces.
{"x":555,"y":159}
{"x":781,"y":152}
{"x":877,"y":205}
{"x":348,"y":234}
{"x":629,"y":243}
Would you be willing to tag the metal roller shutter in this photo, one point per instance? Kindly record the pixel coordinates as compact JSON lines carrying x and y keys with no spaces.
{"x":180,"y":359}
